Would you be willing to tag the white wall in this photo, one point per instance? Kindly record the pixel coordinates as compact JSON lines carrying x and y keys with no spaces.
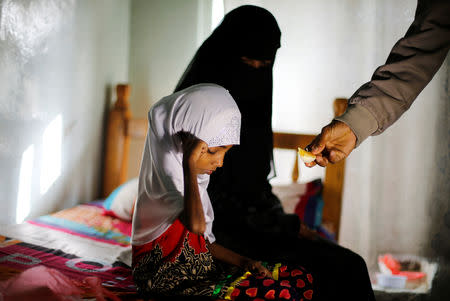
{"x":164,"y":37}
{"x":325,"y":54}
{"x":57,"y":58}
{"x":396,"y":182}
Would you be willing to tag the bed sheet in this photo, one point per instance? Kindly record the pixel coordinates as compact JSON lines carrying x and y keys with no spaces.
{"x":83,"y":230}
{"x":79,"y":242}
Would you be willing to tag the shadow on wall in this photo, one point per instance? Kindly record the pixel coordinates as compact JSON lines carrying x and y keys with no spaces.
{"x":106,"y":109}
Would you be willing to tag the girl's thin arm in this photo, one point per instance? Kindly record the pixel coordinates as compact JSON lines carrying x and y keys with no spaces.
{"x":226,"y":255}
{"x":193,"y":210}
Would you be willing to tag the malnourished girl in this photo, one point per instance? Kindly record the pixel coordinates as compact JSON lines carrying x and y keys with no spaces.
{"x":174,"y":249}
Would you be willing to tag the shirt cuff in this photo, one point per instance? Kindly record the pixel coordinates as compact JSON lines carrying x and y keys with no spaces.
{"x":360,"y":120}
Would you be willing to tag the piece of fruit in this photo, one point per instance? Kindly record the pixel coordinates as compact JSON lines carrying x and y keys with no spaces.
{"x":306,"y":157}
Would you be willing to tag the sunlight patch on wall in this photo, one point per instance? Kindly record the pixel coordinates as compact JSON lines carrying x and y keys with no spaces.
{"x":218,"y":11}
{"x":25,"y":177}
{"x":27,"y":29}
{"x":28,"y":24}
{"x":51,"y":154}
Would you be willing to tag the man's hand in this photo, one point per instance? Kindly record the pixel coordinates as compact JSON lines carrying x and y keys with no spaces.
{"x":334,"y":143}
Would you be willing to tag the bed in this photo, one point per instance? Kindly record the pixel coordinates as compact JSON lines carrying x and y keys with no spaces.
{"x":92,"y":240}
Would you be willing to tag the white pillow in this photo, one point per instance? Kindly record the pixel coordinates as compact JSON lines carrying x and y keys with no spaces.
{"x":289,"y":195}
{"x":120,"y":202}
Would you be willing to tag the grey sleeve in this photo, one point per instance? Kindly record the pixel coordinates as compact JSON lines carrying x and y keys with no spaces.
{"x":410,"y":66}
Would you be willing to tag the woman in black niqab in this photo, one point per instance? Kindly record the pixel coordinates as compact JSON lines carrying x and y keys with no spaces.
{"x":251,"y":32}
{"x":241,"y":188}
{"x":239,"y":56}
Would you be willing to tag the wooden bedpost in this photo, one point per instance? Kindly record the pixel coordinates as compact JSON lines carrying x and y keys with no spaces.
{"x":117,"y":142}
{"x":334,"y":181}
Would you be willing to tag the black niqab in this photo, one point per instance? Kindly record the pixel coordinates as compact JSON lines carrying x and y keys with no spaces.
{"x":252,"y":32}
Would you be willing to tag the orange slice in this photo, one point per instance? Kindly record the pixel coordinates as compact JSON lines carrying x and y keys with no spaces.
{"x":306,"y":157}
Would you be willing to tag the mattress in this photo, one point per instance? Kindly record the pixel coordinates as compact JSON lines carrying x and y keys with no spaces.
{"x":79,"y":242}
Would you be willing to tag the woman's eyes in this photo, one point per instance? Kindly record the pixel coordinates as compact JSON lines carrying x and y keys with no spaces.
{"x":212,"y":153}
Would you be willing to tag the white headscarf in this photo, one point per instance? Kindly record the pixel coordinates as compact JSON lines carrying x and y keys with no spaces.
{"x":208,"y":112}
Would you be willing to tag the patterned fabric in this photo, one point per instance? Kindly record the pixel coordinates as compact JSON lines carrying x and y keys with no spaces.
{"x":83,"y":230}
{"x":176,"y":263}
{"x":228,"y":133}
{"x":179,"y":263}
{"x":89,"y":221}
{"x":286,"y":284}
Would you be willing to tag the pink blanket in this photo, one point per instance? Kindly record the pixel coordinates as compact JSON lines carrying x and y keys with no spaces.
{"x":42,"y":283}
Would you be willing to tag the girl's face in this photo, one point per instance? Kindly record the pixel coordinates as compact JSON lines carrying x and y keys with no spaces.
{"x":211,"y":159}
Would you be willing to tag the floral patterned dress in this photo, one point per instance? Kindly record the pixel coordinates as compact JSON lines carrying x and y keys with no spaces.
{"x":178,"y":263}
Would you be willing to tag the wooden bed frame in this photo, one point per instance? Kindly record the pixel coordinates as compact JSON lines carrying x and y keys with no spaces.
{"x":122,"y":127}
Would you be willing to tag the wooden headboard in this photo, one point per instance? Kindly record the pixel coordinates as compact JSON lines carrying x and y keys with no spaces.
{"x":122,"y":127}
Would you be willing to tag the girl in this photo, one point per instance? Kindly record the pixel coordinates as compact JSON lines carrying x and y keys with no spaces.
{"x":174,"y":249}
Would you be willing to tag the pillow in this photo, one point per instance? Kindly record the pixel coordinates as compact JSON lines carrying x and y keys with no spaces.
{"x":120,"y":203}
{"x":310,"y":205}
{"x":289,"y":195}
{"x":305,"y":200}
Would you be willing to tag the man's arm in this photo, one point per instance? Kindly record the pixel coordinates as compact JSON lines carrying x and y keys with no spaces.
{"x":376,"y":105}
{"x":410,"y":66}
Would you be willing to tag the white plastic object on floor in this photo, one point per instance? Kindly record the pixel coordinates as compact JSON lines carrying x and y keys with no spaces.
{"x":391,"y":281}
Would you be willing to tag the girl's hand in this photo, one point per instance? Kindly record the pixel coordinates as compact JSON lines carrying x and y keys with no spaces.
{"x":256,"y":268}
{"x":192,"y":216}
{"x":193,"y":149}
